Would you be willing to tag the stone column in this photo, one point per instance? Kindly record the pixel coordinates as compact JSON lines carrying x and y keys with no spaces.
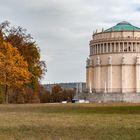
{"x":131,"y":46}
{"x":137,"y":74}
{"x":106,"y":48}
{"x":135,"y":47}
{"x":103,"y":48}
{"x":123,"y":47}
{"x":109,"y":74}
{"x":95,"y":49}
{"x":123,"y":75}
{"x":100,"y":48}
{"x":118,"y":46}
{"x":110,"y":47}
{"x":127,"y":47}
{"x":114,"y":46}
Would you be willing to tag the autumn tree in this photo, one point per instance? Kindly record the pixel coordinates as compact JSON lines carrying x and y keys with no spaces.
{"x":58,"y":94}
{"x":44,"y":94}
{"x":13,"y":68}
{"x":28,"y":48}
{"x":25,"y":44}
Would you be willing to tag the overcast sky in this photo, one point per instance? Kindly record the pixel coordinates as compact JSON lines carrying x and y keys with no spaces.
{"x":63,"y":29}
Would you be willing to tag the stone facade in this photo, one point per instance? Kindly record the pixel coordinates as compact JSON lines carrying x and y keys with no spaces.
{"x":114,"y":97}
{"x":113,"y":66}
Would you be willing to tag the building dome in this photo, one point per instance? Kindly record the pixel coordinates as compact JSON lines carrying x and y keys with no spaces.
{"x":123,"y":26}
{"x":113,"y":66}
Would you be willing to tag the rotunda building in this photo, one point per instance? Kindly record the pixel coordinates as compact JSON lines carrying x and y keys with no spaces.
{"x":113,"y":66}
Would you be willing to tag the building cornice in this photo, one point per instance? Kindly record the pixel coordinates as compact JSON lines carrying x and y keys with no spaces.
{"x":116,"y":39}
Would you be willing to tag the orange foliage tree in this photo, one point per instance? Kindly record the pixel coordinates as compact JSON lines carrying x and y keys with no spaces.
{"x":13,"y":68}
{"x":28,"y":48}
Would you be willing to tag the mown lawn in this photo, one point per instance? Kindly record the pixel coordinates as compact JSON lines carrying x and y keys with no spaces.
{"x":70,"y":122}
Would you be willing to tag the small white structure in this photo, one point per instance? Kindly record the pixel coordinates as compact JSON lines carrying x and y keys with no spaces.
{"x":64,"y":102}
{"x":82,"y":101}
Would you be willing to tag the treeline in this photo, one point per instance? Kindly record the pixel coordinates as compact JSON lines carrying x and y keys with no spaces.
{"x":57,"y":94}
{"x":27,"y":95}
{"x":20,"y":66}
{"x":21,"y":70}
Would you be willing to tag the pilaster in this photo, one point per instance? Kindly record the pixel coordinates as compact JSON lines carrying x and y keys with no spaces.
{"x":87,"y":78}
{"x":123,"y":75}
{"x":90,"y":76}
{"x":137,"y":75}
{"x":98,"y":74}
{"x":110,"y":47}
{"x":109,"y":74}
{"x":87,"y":73}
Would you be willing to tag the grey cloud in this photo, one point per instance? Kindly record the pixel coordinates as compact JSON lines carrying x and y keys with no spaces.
{"x":63,"y":28}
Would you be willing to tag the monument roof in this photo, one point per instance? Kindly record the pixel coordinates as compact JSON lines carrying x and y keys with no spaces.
{"x":123,"y":26}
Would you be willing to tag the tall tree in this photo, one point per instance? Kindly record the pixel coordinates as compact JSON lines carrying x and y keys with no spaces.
{"x":19,"y":39}
{"x":28,"y":48}
{"x":13,"y":68}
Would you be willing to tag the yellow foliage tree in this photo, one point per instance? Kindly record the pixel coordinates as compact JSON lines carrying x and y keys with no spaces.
{"x":13,"y":68}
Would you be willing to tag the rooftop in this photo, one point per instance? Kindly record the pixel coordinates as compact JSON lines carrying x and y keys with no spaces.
{"x":123,"y":26}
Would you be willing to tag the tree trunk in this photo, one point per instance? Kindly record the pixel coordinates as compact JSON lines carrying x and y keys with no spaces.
{"x":6,"y":95}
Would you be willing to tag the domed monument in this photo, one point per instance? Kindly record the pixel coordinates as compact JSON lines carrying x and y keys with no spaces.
{"x":113,"y":66}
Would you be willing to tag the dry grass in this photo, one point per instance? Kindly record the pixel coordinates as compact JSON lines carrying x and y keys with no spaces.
{"x":70,"y":122}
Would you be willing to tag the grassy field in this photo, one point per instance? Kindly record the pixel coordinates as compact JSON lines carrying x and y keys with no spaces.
{"x":70,"y":122}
